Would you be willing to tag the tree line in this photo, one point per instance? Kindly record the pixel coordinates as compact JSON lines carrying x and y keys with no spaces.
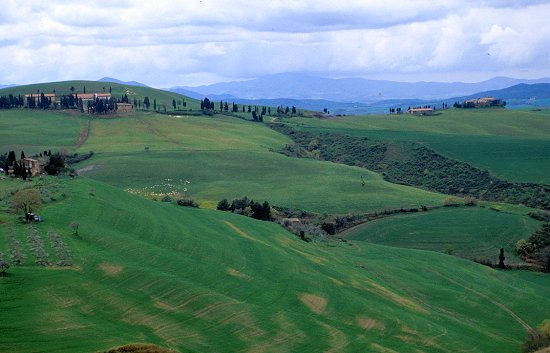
{"x":257,"y":113}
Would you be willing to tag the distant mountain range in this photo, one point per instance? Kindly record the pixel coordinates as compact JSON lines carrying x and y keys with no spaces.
{"x":307,"y":87}
{"x":114,"y":80}
{"x":6,"y":86}
{"x":516,"y":96}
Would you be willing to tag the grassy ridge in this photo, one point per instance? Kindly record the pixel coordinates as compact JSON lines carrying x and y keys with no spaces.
{"x":512,"y":144}
{"x":201,"y":280}
{"x":189,"y":133}
{"x":117,"y":90}
{"x":468,"y":232}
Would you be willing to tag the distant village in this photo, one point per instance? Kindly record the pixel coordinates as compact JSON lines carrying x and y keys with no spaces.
{"x":486,"y":102}
{"x":91,"y":103}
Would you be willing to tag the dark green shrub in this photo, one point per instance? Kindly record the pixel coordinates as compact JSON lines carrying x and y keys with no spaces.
{"x":223,"y":205}
{"x":187,"y":203}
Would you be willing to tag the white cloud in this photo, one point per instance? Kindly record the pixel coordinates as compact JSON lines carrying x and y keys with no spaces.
{"x":169,"y":42}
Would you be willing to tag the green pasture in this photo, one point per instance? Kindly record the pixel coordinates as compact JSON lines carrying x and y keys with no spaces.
{"x":37,"y":130}
{"x":484,"y":122}
{"x":512,"y":144}
{"x":226,"y":157}
{"x":290,"y":182}
{"x":179,"y":132}
{"x":207,"y":281}
{"x":469,"y":232}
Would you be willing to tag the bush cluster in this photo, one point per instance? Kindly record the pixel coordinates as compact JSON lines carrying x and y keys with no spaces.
{"x":538,"y":339}
{"x":537,"y":247}
{"x":247,"y":207}
{"x":187,"y":203}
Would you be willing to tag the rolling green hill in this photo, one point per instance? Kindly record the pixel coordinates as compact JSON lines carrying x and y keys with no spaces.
{"x":117,"y":90}
{"x":512,"y":144}
{"x":471,"y":232}
{"x":223,"y":157}
{"x":201,"y":280}
{"x":35,"y":131}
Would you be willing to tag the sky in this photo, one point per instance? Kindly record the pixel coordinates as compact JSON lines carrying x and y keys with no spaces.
{"x":166,"y":43}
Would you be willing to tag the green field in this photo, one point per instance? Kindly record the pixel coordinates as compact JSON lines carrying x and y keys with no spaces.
{"x":201,"y":280}
{"x":230,"y":158}
{"x":35,"y":131}
{"x":471,"y":232}
{"x":512,"y":144}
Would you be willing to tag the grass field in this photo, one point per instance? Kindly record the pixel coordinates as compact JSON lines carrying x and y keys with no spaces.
{"x":223,"y":157}
{"x":35,"y":131}
{"x":512,"y":144}
{"x":179,"y":133}
{"x":230,"y":158}
{"x":471,"y":232}
{"x":201,"y":280}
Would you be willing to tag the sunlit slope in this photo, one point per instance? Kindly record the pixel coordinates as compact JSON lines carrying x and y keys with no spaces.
{"x":37,"y":130}
{"x":179,"y":133}
{"x":201,"y":280}
{"x":471,"y":232}
{"x":231,"y":158}
{"x":512,"y":144}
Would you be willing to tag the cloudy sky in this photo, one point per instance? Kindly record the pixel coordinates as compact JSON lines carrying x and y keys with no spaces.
{"x":166,"y":43}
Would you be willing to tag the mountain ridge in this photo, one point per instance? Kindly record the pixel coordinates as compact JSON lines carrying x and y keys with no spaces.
{"x":114,"y":80}
{"x":303,"y":86}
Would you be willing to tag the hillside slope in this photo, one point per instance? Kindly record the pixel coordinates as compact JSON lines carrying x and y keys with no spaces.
{"x":163,"y":98}
{"x":200,"y":280}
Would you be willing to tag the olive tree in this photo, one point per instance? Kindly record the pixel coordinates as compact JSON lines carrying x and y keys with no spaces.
{"x":26,"y":201}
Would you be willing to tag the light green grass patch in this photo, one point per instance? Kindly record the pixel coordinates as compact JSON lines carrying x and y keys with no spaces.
{"x":37,"y":130}
{"x":470,"y":232}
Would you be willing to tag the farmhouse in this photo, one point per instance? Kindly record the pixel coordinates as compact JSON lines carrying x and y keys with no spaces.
{"x":37,"y":96}
{"x":483,"y":102}
{"x":32,"y":165}
{"x":421,"y":111}
{"x":124,"y":108}
{"x":92,"y":96}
